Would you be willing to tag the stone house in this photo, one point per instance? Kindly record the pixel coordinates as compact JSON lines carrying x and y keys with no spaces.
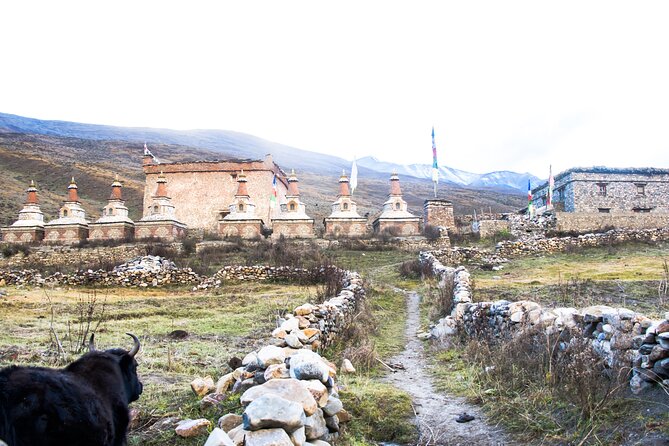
{"x":607,"y":191}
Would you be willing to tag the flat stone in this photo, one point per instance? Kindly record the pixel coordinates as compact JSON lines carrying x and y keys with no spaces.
{"x":343,"y":416}
{"x":658,"y":352}
{"x":250,"y":359}
{"x":303,"y":310}
{"x":663,"y":340}
{"x":268,"y":437}
{"x":303,"y":322}
{"x":315,"y":426}
{"x":193,"y":428}
{"x":332,"y":423}
{"x":219,"y":438}
{"x":290,"y":389}
{"x":212,"y":401}
{"x":229,"y":422}
{"x":203,"y":386}
{"x":311,"y":332}
{"x":270,"y":411}
{"x":271,"y":354}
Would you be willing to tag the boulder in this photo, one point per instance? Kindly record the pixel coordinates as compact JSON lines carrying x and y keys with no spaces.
{"x":203,"y":386}
{"x":193,"y":428}
{"x":318,"y":390}
{"x":212,"y":401}
{"x":268,"y":437}
{"x":298,"y":437}
{"x":229,"y":422}
{"x":347,"y":367}
{"x":269,"y":411}
{"x":293,"y":341}
{"x":304,"y":310}
{"x":315,"y":426}
{"x":290,"y":389}
{"x":238,"y":434}
{"x":271,"y":354}
{"x":307,"y":365}
{"x":225,"y":383}
{"x":333,"y":406}
{"x":276,"y":371}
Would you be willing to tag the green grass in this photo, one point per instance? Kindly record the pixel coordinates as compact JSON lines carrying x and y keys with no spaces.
{"x":226,"y":322}
{"x":626,"y":275}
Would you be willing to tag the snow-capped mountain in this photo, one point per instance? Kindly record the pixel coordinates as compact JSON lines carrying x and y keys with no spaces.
{"x":501,"y":179}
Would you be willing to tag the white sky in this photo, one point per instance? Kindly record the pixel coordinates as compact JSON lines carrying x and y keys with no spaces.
{"x":508,"y":85}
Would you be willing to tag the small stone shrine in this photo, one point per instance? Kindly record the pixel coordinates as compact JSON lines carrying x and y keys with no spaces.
{"x":114,"y":223}
{"x":30,"y":225}
{"x":293,"y":221}
{"x":395,"y":219}
{"x":159,"y":219}
{"x":344,"y":221}
{"x":241,"y":221}
{"x":71,"y":225}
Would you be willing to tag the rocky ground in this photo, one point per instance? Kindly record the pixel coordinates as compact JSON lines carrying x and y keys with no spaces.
{"x":436,"y":413}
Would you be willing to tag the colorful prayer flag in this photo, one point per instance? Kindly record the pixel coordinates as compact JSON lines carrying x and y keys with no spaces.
{"x":272,"y":197}
{"x":529,"y":198}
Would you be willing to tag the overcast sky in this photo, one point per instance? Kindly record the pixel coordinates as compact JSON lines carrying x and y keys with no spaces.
{"x":507,"y":85}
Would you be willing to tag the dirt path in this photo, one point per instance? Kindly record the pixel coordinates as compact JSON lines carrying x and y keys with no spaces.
{"x":436,"y":412}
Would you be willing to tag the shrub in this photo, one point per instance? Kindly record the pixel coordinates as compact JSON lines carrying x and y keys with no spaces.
{"x":432,"y":232}
{"x":9,"y":250}
{"x":415,"y":269}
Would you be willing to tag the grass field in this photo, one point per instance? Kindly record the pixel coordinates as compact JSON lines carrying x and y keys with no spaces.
{"x":230,"y":321}
{"x":626,"y":275}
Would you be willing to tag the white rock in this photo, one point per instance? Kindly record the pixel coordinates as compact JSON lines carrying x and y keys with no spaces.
{"x":219,"y":438}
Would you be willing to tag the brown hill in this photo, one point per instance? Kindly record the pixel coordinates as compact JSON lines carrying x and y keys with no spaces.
{"x":51,"y":161}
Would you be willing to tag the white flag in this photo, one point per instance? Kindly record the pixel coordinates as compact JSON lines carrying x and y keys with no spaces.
{"x":354,"y":176}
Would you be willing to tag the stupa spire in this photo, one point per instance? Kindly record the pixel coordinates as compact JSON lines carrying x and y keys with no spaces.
{"x":116,"y":189}
{"x":293,"y":190}
{"x":344,"y":190}
{"x":161,"y":191}
{"x":32,"y":193}
{"x":242,"y":189}
{"x":72,"y":191}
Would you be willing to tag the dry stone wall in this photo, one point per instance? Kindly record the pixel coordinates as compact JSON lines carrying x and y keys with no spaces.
{"x":288,"y":390}
{"x":624,"y":338}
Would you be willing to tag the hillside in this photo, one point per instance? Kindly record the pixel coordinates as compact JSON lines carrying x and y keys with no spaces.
{"x":240,"y":145}
{"x":52,"y":160}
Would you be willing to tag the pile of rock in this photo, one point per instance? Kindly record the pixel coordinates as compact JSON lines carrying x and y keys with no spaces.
{"x":620,"y":336}
{"x":288,"y":390}
{"x":651,"y":365}
{"x":146,"y":264}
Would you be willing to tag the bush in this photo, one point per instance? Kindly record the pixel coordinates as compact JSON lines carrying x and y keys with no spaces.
{"x":415,"y":269}
{"x":9,"y":250}
{"x":432,"y":232}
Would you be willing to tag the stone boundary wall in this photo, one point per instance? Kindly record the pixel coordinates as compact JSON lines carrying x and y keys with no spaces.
{"x":622,"y":337}
{"x":582,"y":222}
{"x":508,"y":249}
{"x":289,"y":393}
{"x":561,"y":244}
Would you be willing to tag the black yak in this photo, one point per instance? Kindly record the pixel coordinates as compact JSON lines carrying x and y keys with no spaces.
{"x":84,"y":404}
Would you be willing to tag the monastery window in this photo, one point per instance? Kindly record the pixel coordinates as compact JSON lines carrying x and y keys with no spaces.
{"x":155,"y":209}
{"x":397,"y":206}
{"x":64,"y":212}
{"x":291,"y":206}
{"x":345,"y":207}
{"x":604,"y":210}
{"x":241,"y":207}
{"x":641,"y":189}
{"x":559,"y":194}
{"x":544,"y":200}
{"x":641,"y":210}
{"x":601,"y":189}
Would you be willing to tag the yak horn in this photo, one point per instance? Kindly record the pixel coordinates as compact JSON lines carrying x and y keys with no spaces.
{"x":91,"y":343}
{"x":135,"y":348}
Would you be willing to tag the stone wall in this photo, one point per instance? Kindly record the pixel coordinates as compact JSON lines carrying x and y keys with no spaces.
{"x":625,"y":339}
{"x":336,"y":228}
{"x":584,"y":222}
{"x":246,"y":229}
{"x":288,"y":390}
{"x":488,"y":228}
{"x":438,"y":213}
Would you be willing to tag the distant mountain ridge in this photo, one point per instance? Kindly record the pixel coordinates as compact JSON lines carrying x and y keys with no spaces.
{"x":241,"y":145}
{"x":500,"y":179}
